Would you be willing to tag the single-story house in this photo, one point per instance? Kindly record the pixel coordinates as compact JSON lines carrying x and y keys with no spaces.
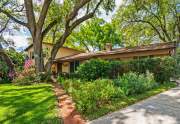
{"x":67,"y":59}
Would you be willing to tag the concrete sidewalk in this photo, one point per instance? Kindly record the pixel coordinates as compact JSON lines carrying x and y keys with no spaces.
{"x":160,"y":109}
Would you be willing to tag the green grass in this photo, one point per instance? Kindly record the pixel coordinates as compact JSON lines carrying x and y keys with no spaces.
{"x":27,"y":104}
{"x":117,"y":104}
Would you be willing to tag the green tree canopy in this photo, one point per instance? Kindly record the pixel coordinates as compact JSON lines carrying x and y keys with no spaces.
{"x":41,"y":16}
{"x":94,"y":34}
{"x":144,"y":21}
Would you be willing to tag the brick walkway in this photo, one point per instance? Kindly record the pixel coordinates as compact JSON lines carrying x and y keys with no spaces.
{"x":67,"y":107}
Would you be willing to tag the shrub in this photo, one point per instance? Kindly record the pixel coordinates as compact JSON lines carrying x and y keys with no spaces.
{"x":17,"y":58}
{"x":162,"y":68}
{"x":177,"y":67}
{"x":134,"y":83}
{"x":94,"y":69}
{"x":4,"y":70}
{"x":166,"y":69}
{"x":30,"y":77}
{"x":116,"y":69}
{"x":89,"y":96}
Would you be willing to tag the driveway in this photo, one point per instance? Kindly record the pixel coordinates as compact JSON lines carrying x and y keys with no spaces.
{"x":160,"y":109}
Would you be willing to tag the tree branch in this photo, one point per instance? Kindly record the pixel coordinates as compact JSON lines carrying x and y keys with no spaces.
{"x":13,"y":18}
{"x":43,"y":14}
{"x":154,"y":27}
{"x":30,"y":16}
{"x":49,"y":27}
{"x":85,"y":17}
{"x":4,"y":26}
{"x":75,"y":10}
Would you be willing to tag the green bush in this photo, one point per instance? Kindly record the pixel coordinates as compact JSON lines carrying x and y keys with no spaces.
{"x":117,"y":68}
{"x":163,"y":68}
{"x":18,"y":58}
{"x":134,"y":83}
{"x":89,"y":96}
{"x":30,"y":77}
{"x":3,"y":68}
{"x":166,"y":69}
{"x":94,"y":69}
{"x":4,"y":72}
{"x":177,"y":67}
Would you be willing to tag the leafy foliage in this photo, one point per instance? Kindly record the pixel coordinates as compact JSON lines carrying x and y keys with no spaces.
{"x":29,"y":77}
{"x":177,"y":57}
{"x":3,"y":68}
{"x":89,"y":96}
{"x":142,"y":21}
{"x":3,"y":72}
{"x":17,"y":58}
{"x":94,"y":34}
{"x":134,"y":83}
{"x":94,"y":69}
{"x":163,"y":68}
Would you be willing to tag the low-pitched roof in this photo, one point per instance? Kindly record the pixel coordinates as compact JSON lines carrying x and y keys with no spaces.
{"x":31,"y":45}
{"x":81,"y":56}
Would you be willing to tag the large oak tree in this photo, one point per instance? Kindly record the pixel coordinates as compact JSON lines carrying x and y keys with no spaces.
{"x":70,"y":14}
{"x":4,"y":21}
{"x":144,"y":21}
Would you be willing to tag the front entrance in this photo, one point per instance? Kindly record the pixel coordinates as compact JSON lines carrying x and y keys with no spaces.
{"x":59,"y":68}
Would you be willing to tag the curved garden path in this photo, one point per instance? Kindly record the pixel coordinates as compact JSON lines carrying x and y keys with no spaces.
{"x":67,"y":110}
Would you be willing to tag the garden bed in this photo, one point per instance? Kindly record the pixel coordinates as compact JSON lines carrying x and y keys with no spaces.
{"x":117,"y":104}
{"x":94,"y":100}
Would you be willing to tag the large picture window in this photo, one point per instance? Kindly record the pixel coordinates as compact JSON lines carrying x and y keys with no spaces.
{"x":73,"y":66}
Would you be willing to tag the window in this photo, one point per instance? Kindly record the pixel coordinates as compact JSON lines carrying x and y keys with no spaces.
{"x":73,"y":66}
{"x":32,"y":55}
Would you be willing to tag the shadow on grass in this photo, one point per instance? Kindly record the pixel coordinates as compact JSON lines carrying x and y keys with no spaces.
{"x":27,"y":105}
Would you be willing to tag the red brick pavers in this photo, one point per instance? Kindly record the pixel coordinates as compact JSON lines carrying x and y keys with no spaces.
{"x":67,"y":107}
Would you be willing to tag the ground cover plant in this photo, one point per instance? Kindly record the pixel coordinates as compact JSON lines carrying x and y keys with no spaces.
{"x":134,"y":83}
{"x":96,"y":98}
{"x":33,"y":104}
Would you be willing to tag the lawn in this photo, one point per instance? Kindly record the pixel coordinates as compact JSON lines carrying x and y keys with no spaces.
{"x":27,"y":104}
{"x":117,"y":104}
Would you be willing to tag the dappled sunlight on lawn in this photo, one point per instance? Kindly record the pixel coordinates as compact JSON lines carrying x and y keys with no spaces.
{"x":27,"y":104}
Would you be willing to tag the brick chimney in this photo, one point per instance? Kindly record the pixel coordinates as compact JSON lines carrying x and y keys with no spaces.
{"x":108,"y":46}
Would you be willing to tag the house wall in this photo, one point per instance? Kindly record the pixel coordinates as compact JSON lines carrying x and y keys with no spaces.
{"x":66,"y":67}
{"x":138,"y":54}
{"x":127,"y":56}
{"x":62,"y":52}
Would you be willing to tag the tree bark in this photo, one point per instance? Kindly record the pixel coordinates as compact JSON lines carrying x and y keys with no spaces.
{"x":69,"y":28}
{"x":37,"y":32}
{"x":38,"y":54}
{"x":6,"y":59}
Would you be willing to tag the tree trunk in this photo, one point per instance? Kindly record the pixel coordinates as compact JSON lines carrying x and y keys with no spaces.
{"x":55,"y":49}
{"x":7,"y":60}
{"x":38,"y":54}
